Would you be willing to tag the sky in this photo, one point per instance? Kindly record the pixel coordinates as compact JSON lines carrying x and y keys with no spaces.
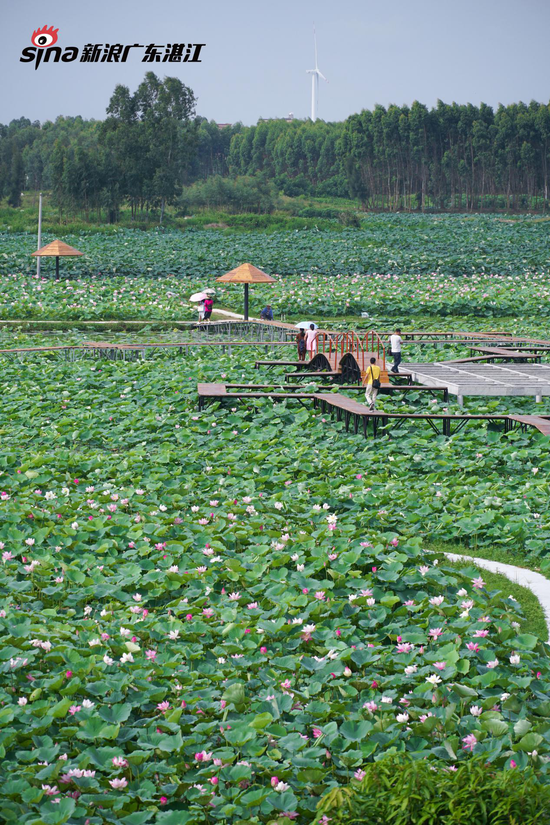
{"x":256,"y":54}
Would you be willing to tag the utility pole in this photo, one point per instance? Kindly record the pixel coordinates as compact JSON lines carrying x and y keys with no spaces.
{"x":39,"y":233}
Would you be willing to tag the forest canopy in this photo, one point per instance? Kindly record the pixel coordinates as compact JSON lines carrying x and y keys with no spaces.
{"x":152,"y":150}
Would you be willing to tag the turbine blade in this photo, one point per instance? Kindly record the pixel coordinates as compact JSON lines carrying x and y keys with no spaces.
{"x":321,"y":75}
{"x":315,"y":44}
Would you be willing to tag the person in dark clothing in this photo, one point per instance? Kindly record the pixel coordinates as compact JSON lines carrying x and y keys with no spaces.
{"x":208,"y":304}
{"x":395,"y":343}
{"x":301,"y":344}
{"x":267,"y":313}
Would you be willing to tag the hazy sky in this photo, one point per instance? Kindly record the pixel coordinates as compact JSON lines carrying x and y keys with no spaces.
{"x":256,"y":54}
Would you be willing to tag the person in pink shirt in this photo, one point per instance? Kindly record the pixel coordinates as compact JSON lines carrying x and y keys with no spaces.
{"x":311,"y":341}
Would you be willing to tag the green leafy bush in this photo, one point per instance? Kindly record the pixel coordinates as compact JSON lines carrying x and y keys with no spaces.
{"x":242,"y":194}
{"x":401,"y":790}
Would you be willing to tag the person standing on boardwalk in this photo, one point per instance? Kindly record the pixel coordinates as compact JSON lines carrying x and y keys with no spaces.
{"x":373,"y":383}
{"x":395,"y":344}
{"x":208,"y":304}
{"x":311,"y":341}
{"x":200,"y":307}
{"x":301,"y":344}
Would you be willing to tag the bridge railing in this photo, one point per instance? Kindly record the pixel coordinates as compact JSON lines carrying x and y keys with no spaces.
{"x":358,"y":345}
{"x":374,"y":343}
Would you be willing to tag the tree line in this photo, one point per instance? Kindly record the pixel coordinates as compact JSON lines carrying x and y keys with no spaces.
{"x":149,"y":147}
{"x":452,"y":156}
{"x":152,"y":150}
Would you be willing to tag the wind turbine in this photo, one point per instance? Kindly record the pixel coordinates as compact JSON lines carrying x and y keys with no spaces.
{"x":315,"y":75}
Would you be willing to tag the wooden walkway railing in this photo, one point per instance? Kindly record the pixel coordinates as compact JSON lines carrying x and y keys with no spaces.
{"x":363,"y":347}
{"x":349,"y":411}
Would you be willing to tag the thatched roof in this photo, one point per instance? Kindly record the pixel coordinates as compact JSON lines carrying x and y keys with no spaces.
{"x":246,"y":274}
{"x":56,"y":249}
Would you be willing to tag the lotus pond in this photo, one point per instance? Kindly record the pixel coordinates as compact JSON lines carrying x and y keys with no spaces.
{"x":219,"y":617}
{"x":394,"y":265}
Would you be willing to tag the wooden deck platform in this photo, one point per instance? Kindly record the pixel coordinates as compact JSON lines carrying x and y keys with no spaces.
{"x":385,"y":389}
{"x":271,"y":364}
{"x":506,"y":354}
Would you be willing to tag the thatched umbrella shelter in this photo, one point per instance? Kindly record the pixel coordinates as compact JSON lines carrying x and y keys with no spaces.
{"x":246,"y":274}
{"x":56,"y":249}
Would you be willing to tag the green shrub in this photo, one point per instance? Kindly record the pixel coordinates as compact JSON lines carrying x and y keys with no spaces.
{"x":241,"y":194}
{"x":400,"y":790}
{"x":350,"y":219}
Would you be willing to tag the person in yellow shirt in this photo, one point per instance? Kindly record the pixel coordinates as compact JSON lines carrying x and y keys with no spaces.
{"x":373,"y":383}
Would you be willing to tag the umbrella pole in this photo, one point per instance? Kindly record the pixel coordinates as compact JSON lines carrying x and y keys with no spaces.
{"x":57,"y":266}
{"x":246,"y":302}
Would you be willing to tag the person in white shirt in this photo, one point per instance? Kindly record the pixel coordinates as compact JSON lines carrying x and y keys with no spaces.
{"x":200,"y":307}
{"x":395,"y":344}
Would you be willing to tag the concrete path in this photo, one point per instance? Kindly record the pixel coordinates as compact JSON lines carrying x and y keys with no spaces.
{"x":484,"y":379}
{"x":229,"y":314}
{"x":536,"y":582}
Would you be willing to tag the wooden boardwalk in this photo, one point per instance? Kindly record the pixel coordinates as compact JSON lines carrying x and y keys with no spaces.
{"x":385,"y":389}
{"x":506,"y":354}
{"x":353,"y":412}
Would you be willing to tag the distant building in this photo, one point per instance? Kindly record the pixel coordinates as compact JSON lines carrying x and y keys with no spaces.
{"x":223,"y":125}
{"x":289,"y":118}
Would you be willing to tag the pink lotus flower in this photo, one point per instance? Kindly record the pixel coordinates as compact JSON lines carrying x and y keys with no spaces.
{"x":469,"y":742}
{"x":317,"y":732}
{"x":203,"y":756}
{"x":479,"y":583}
{"x":473,"y":646}
{"x":435,"y":632}
{"x":118,"y":783}
{"x":163,"y":706}
{"x":151,"y":655}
